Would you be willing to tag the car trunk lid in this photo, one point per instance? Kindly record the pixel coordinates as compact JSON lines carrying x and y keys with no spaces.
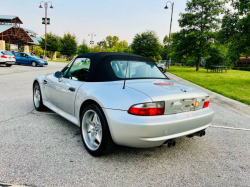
{"x":177,"y":97}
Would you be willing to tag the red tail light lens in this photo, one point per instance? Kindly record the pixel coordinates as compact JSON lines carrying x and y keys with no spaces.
{"x":3,"y":56}
{"x":206,"y":103}
{"x":13,"y":57}
{"x":148,"y":109}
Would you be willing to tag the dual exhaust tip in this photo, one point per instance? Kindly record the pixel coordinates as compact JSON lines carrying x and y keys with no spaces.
{"x":172,"y":142}
{"x":200,"y":134}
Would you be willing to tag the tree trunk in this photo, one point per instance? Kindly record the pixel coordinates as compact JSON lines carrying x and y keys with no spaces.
{"x":198,"y":63}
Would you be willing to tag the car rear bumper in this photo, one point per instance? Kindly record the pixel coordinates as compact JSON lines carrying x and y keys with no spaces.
{"x":151,"y":131}
{"x":8,"y":62}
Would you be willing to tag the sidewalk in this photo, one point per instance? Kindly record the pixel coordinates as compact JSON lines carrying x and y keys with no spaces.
{"x":230,"y":104}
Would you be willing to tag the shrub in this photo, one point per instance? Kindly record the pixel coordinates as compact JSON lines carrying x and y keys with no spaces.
{"x":190,"y":63}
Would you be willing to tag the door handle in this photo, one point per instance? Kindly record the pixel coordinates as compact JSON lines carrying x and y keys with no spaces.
{"x":45,"y":82}
{"x":71,"y":89}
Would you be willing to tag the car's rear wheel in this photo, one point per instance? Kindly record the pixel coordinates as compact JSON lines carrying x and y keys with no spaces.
{"x":8,"y":65}
{"x":37,"y":97}
{"x":95,"y":132}
{"x":34,"y":64}
{"x":161,"y":69}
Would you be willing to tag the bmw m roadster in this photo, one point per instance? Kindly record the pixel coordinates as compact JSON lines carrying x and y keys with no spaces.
{"x":122,"y":99}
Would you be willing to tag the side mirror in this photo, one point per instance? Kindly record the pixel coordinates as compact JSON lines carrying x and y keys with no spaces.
{"x":58,"y":75}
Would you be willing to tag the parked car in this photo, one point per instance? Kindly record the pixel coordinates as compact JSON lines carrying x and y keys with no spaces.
{"x":7,"y":58}
{"x":162,"y":67}
{"x":122,"y":99}
{"x":28,"y":59}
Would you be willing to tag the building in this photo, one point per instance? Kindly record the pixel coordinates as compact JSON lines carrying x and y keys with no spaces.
{"x":12,"y":33}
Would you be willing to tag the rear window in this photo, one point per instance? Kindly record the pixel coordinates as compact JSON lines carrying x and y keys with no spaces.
{"x":6,"y":53}
{"x":136,"y":70}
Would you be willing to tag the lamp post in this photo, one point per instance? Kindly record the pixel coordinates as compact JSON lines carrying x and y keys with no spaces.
{"x":166,"y":7}
{"x":46,"y":7}
{"x":92,"y":36}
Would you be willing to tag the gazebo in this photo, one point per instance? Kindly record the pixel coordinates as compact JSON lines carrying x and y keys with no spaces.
{"x":12,"y":33}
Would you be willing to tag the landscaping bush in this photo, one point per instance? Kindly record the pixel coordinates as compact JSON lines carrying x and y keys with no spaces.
{"x":190,"y":63}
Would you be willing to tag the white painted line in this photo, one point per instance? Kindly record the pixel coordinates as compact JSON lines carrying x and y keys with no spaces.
{"x":225,"y":127}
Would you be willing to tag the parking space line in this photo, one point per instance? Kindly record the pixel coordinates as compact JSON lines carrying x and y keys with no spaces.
{"x":225,"y":127}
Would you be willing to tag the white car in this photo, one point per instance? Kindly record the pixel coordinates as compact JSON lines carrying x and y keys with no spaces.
{"x":122,"y":99}
{"x":7,"y":58}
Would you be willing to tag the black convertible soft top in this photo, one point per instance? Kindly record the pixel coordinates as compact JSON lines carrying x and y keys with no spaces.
{"x":100,"y":68}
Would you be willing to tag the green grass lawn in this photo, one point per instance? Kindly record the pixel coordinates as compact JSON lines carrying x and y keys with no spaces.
{"x":234,"y":84}
{"x":60,"y":60}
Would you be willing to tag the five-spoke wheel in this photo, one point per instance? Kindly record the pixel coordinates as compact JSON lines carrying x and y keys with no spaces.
{"x":95,"y":131}
{"x":92,"y":129}
{"x":37,"y":97}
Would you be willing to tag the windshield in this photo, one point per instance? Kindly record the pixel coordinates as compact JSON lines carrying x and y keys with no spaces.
{"x":136,"y":70}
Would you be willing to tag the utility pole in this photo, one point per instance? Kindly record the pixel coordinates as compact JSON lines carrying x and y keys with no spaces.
{"x":166,"y":7}
{"x":46,"y":7}
{"x":92,"y":37}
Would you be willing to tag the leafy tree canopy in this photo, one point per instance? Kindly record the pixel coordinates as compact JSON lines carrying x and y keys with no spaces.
{"x":83,"y":48}
{"x":146,"y":44}
{"x":52,"y":42}
{"x":68,"y":45}
{"x":198,"y":25}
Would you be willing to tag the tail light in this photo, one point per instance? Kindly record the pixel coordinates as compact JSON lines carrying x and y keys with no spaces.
{"x":13,"y":57}
{"x":3,"y":56}
{"x":206,"y":103}
{"x":148,"y":109}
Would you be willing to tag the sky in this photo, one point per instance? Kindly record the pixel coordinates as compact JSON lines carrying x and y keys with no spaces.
{"x":123,"y":18}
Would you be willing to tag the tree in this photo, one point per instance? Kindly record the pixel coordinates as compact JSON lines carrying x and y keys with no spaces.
{"x":146,"y":44}
{"x":165,"y":40}
{"x":111,"y":41}
{"x":198,"y":23}
{"x":123,"y":43}
{"x":83,"y":48}
{"x":235,"y":30}
{"x":68,"y":45}
{"x":52,"y":43}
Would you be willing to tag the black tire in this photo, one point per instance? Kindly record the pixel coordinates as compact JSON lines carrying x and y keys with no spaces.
{"x":161,"y":69}
{"x":39,"y":107}
{"x":33,"y":63}
{"x":107,"y":145}
{"x":8,"y":65}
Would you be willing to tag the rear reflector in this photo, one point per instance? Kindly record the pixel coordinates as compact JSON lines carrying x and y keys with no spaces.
{"x":3,"y":56}
{"x":206,"y":103}
{"x":147,"y":109}
{"x":164,"y":83}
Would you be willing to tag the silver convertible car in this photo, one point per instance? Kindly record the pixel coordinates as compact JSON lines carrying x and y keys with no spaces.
{"x":122,"y":99}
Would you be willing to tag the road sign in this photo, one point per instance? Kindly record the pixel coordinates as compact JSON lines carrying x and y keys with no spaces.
{"x":91,"y":42}
{"x":48,"y":21}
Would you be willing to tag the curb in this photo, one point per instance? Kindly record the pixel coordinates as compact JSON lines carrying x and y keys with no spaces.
{"x":228,"y":103}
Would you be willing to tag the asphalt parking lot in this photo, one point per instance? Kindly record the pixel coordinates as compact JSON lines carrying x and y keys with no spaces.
{"x":44,"y":149}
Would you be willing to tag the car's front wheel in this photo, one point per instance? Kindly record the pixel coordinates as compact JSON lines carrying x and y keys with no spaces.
{"x":33,"y":64}
{"x":95,"y":132}
{"x":161,"y":69}
{"x":37,"y":97}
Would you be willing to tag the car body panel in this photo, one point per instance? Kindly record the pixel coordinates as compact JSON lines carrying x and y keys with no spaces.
{"x":150,"y":131}
{"x":20,"y":59}
{"x":8,"y":60}
{"x":115,"y":99}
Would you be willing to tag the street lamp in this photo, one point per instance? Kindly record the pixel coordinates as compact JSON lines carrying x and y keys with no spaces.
{"x":91,"y":40}
{"x":166,"y":7}
{"x":46,"y":7}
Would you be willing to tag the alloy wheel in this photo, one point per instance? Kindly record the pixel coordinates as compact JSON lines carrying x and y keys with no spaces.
{"x":92,"y":130}
{"x":37,"y":96}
